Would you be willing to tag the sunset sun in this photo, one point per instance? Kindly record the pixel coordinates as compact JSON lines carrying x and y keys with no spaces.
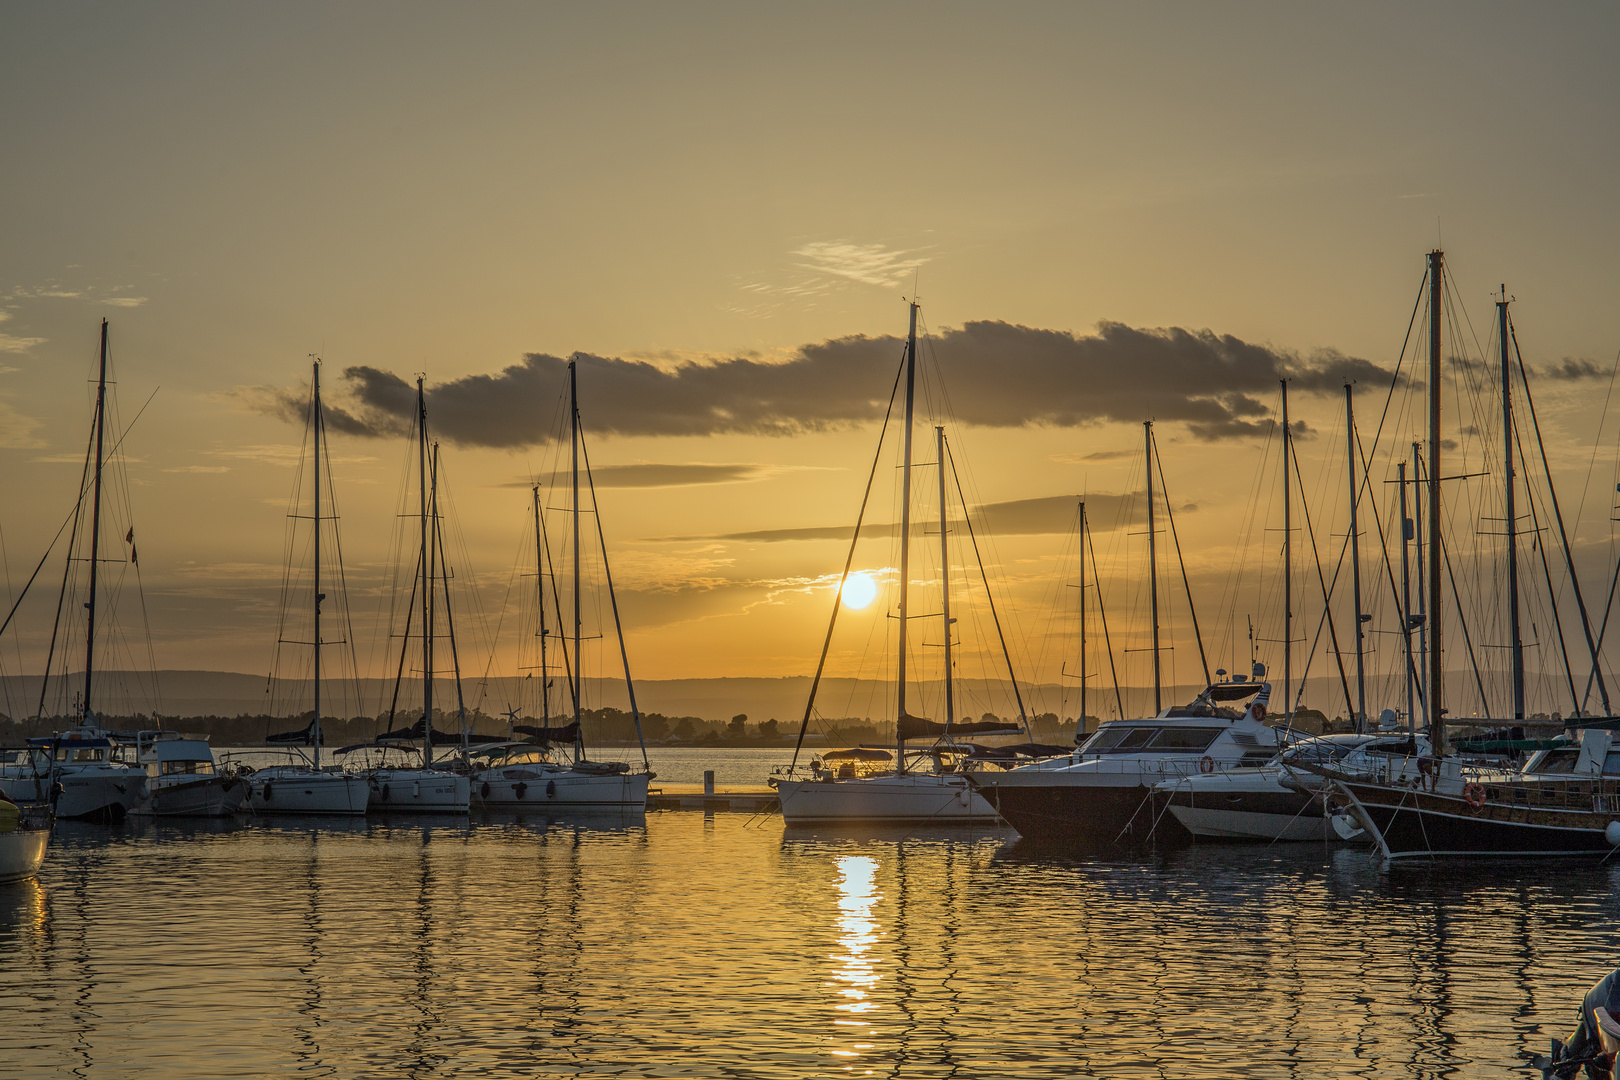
{"x":859,"y":590}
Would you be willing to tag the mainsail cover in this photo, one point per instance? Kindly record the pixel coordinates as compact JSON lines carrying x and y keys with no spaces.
{"x":915,"y":727}
{"x":304,"y":737}
{"x":416,"y":731}
{"x":567,"y":734}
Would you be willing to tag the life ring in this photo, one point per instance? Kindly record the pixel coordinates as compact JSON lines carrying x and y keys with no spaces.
{"x":1474,"y":796}
{"x":1206,"y":764}
{"x":1260,"y":711}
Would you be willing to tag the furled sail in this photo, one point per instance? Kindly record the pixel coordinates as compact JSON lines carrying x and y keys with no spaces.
{"x":567,"y":734}
{"x":915,"y":727}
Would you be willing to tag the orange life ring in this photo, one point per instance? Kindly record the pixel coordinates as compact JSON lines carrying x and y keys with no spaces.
{"x":1260,"y":711}
{"x":1206,"y":764}
{"x":1474,"y":796}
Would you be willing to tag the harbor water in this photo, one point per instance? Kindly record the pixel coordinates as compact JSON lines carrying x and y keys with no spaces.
{"x":693,"y":945}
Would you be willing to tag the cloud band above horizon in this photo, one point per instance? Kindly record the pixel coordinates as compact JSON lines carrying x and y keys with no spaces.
{"x":997,"y":374}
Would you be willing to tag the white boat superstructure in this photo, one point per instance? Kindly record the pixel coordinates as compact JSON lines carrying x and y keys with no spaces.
{"x":183,"y":779}
{"x":79,"y":773}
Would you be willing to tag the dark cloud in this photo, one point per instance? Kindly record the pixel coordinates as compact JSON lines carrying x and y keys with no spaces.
{"x":657,"y":476}
{"x":1572,"y":369}
{"x":995,"y":374}
{"x":1018,"y":517}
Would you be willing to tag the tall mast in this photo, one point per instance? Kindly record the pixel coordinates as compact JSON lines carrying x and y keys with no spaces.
{"x":905,"y":541}
{"x":1355,"y":556}
{"x":540,"y":594}
{"x":95,"y":529}
{"x":1288,"y":566}
{"x":1407,"y":533}
{"x":1422,"y":594}
{"x":1153,"y":570}
{"x":315,"y":425}
{"x":1512,"y":517}
{"x":427,"y":577}
{"x":1437,"y":686}
{"x":573,"y":436}
{"x":1082,"y":619}
{"x":945,"y":578}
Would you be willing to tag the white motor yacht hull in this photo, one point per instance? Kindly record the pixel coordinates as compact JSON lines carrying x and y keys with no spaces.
{"x":1244,"y":804}
{"x":21,"y":853}
{"x":213,"y":796}
{"x":528,"y":787}
{"x":923,"y":798}
{"x":92,"y":794}
{"x":418,"y":791}
{"x":282,"y":790}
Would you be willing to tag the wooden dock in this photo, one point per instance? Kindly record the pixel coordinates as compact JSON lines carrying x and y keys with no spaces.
{"x":727,"y":798}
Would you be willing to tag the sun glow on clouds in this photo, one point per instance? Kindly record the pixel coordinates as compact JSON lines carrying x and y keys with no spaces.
{"x":859,"y":591}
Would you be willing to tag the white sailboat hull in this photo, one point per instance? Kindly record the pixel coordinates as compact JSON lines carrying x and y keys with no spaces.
{"x":922,"y":797}
{"x":21,"y":853}
{"x":529,"y":786}
{"x":418,"y":791}
{"x":282,"y":790}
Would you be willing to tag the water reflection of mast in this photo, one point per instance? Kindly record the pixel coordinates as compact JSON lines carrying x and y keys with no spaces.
{"x":306,"y":1049}
{"x":418,"y":1059}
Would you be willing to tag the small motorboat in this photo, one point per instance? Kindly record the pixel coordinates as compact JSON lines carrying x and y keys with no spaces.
{"x":1596,"y":1039}
{"x":22,"y":842}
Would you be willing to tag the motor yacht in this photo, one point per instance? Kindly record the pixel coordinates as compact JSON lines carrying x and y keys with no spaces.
{"x":78,"y":772}
{"x":183,"y":779}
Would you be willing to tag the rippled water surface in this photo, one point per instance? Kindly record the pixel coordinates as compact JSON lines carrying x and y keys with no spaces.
{"x":684,"y":945}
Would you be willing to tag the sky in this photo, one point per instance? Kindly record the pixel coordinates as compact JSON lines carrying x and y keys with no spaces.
{"x":1109,"y":213}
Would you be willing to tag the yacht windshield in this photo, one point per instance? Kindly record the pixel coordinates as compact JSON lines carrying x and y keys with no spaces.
{"x":1137,"y":739}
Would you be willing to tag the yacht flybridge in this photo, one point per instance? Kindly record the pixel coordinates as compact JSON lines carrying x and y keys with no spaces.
{"x":870,"y":785}
{"x":1102,"y":794}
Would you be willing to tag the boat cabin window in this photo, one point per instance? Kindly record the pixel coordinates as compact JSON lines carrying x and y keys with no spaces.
{"x":193,"y":767}
{"x":81,"y":753}
{"x":1611,"y":763}
{"x":1560,"y":761}
{"x":1131,"y":740}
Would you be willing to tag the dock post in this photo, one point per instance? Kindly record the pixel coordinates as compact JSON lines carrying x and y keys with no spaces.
{"x":708,"y":782}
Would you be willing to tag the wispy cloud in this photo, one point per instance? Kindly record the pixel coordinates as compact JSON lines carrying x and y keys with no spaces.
{"x":200,"y":469}
{"x":285,"y":454}
{"x":17,"y":431}
{"x":125,"y":301}
{"x":13,"y":343}
{"x":868,"y":264}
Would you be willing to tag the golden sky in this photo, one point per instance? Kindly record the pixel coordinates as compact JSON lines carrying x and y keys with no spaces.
{"x":1111,"y":212}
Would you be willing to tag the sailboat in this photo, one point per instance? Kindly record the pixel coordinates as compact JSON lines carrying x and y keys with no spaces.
{"x":304,"y":787}
{"x":403,"y":784}
{"x":80,"y":770}
{"x":540,"y":773}
{"x":859,"y":784}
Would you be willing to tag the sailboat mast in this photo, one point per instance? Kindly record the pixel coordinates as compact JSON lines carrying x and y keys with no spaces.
{"x":1437,"y":687}
{"x":573,"y":435}
{"x":1355,"y":556}
{"x":905,"y":541}
{"x":95,"y":528}
{"x":1288,"y":565}
{"x":1509,"y":511}
{"x":427,"y":577}
{"x":315,"y":427}
{"x":1422,"y":594}
{"x":1153,"y":572}
{"x":1082,"y":619}
{"x":1407,"y":532}
{"x":945,"y":579}
{"x":540,"y":594}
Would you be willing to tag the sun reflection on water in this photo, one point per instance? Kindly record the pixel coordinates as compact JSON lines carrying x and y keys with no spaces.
{"x":856,"y":973}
